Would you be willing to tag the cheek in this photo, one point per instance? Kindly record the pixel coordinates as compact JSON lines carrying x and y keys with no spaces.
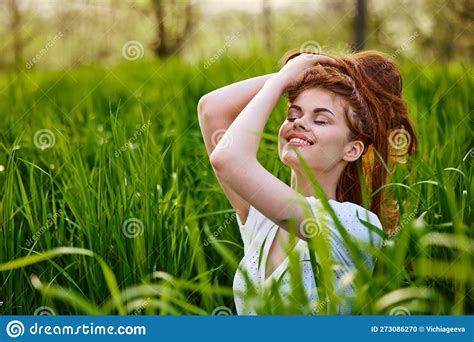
{"x":331,"y":148}
{"x":333,"y":137}
{"x":328,"y":149}
{"x":330,"y":142}
{"x":281,"y":134}
{"x":283,"y":129}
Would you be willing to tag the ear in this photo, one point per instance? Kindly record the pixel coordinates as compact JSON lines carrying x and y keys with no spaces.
{"x":353,"y":150}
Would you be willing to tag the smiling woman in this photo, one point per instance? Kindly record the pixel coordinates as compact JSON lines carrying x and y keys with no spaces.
{"x":339,"y":109}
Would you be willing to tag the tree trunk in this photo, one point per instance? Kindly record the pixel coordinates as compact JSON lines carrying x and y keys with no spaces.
{"x":160,"y":46}
{"x":360,"y":24}
{"x":168,"y":42}
{"x":15,"y":26}
{"x":267,"y":24}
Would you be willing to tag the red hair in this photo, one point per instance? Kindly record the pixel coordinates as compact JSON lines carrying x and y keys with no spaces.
{"x":376,"y":113}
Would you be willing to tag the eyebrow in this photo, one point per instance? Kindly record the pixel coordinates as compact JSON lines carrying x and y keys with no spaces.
{"x":315,"y":110}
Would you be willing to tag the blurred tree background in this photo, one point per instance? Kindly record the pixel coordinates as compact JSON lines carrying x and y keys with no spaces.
{"x":83,"y":32}
{"x":100,"y":134}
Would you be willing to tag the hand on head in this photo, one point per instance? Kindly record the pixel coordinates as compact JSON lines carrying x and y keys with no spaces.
{"x":296,"y":64}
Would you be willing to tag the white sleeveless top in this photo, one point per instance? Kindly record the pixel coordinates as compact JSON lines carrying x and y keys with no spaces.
{"x":259,"y":232}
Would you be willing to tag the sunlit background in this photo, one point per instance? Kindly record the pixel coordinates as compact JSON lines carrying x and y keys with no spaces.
{"x":77,"y":32}
{"x":108,"y":203}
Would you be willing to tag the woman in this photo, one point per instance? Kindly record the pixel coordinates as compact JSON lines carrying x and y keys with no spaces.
{"x":340,"y":111}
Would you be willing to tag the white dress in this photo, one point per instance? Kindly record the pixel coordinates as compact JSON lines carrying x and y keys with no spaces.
{"x":258,"y":234}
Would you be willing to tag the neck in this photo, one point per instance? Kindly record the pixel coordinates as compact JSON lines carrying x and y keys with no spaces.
{"x":327,"y":180}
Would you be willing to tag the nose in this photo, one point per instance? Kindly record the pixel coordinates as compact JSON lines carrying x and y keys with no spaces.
{"x":298,"y":123}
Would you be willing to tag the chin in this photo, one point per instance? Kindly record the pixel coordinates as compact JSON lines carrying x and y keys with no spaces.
{"x":289,"y":158}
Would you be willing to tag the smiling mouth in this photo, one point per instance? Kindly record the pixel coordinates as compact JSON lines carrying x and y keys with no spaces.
{"x":299,"y":142}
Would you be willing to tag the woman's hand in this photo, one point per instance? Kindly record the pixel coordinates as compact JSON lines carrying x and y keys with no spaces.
{"x":295,"y":67}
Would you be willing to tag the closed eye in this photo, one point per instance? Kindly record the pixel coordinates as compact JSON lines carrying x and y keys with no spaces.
{"x":322,"y":123}
{"x":318,"y":122}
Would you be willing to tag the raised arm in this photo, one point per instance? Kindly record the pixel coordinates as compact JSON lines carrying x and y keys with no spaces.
{"x":237,"y":165}
{"x":216,"y":111}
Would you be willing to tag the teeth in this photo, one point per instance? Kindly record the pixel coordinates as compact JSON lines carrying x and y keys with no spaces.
{"x":300,"y":141}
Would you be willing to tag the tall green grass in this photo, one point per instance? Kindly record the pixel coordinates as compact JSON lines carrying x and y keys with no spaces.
{"x":123,"y":215}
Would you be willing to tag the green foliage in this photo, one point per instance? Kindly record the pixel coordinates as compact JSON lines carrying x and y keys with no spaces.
{"x":122,"y":214}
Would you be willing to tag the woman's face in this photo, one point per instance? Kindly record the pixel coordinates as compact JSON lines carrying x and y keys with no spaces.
{"x":315,"y":125}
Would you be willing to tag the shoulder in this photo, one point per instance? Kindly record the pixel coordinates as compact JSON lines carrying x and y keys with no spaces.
{"x":356,"y":219}
{"x":254,"y":223}
{"x":347,"y":210}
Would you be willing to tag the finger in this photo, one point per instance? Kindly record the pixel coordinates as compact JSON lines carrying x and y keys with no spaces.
{"x":323,"y":59}
{"x":320,"y":58}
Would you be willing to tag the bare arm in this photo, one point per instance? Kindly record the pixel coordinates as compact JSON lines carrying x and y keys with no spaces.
{"x":216,"y":111}
{"x":224,"y":104}
{"x":237,"y":164}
